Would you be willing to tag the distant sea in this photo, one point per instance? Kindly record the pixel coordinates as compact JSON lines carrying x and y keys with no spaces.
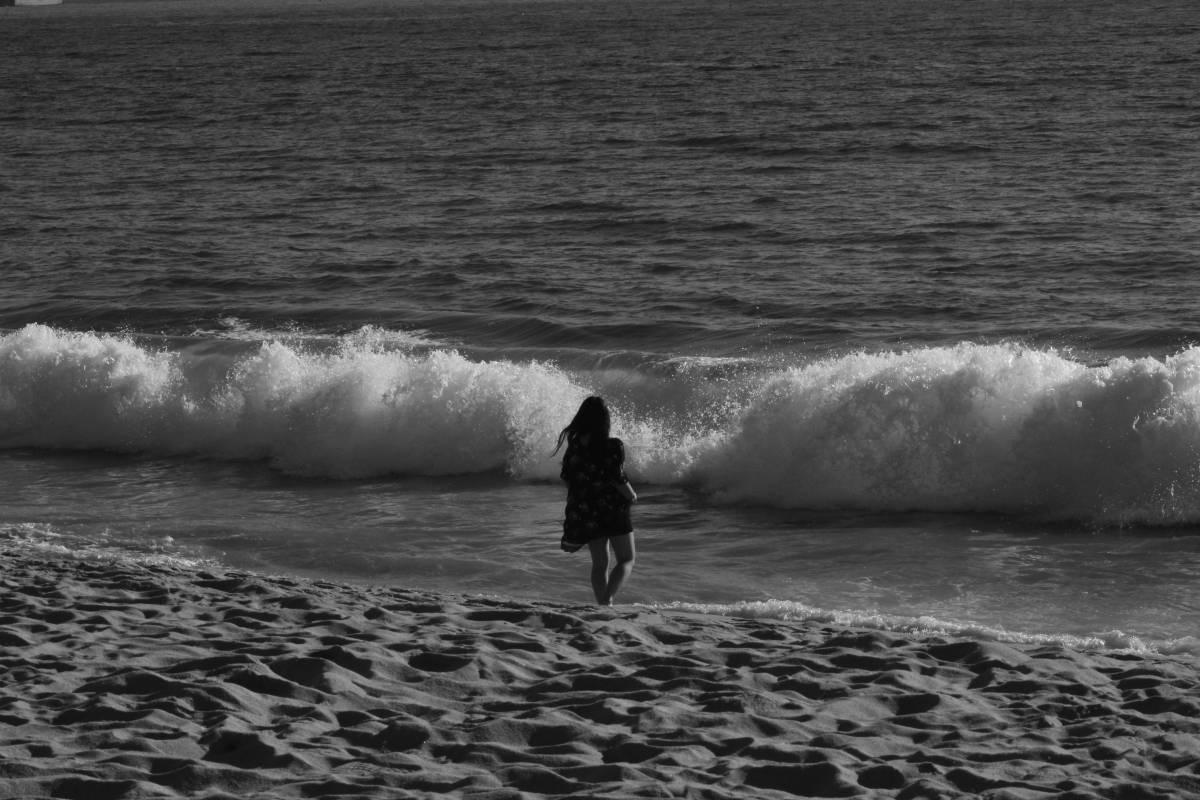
{"x":895,"y":302}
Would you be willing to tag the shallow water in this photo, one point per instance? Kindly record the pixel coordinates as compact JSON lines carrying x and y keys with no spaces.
{"x":982,"y":575}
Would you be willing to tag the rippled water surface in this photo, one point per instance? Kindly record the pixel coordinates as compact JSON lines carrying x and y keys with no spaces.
{"x":893,"y":301}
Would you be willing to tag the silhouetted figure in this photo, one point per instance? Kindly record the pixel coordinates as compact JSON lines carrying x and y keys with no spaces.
{"x":598,"y":497}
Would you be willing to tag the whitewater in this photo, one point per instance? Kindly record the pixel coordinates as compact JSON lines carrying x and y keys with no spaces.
{"x":969,"y":428}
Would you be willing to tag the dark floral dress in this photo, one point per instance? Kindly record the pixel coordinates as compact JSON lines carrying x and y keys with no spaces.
{"x":595,"y":508}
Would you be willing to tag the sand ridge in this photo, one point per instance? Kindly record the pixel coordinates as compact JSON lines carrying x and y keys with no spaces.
{"x":127,"y":681}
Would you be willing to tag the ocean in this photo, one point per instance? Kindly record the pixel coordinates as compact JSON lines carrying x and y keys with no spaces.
{"x":894,"y":302}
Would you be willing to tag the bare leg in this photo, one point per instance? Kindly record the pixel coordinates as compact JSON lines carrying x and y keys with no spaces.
{"x":599,"y":551}
{"x":624,"y":550}
{"x":604,"y":583}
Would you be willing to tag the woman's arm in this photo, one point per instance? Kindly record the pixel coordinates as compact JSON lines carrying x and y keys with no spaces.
{"x":621,"y":484}
{"x":626,"y":490}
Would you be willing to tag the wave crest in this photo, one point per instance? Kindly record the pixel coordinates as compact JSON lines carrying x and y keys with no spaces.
{"x":360,"y":410}
{"x":989,"y":428}
{"x":972,"y":428}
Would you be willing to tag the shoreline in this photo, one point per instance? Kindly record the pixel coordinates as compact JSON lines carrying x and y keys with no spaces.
{"x":133,"y":680}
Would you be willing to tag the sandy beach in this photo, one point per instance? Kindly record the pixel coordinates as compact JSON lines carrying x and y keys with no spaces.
{"x":131,"y":681}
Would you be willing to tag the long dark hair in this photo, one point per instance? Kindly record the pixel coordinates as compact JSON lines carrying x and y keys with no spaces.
{"x":591,"y":419}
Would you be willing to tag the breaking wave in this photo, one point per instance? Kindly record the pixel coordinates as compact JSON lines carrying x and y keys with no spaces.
{"x":990,"y":428}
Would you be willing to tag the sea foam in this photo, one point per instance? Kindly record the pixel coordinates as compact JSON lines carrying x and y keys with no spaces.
{"x":926,"y":626}
{"x":990,"y":428}
{"x":972,"y":428}
{"x":357,"y":411}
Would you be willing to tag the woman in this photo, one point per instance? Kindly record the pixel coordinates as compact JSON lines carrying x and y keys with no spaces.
{"x":598,"y":497}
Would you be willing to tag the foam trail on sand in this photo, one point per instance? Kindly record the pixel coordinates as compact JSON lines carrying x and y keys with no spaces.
{"x":926,"y":626}
{"x":41,"y":540}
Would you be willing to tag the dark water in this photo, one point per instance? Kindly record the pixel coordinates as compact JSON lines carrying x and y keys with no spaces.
{"x":893,"y":301}
{"x":684,"y":176}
